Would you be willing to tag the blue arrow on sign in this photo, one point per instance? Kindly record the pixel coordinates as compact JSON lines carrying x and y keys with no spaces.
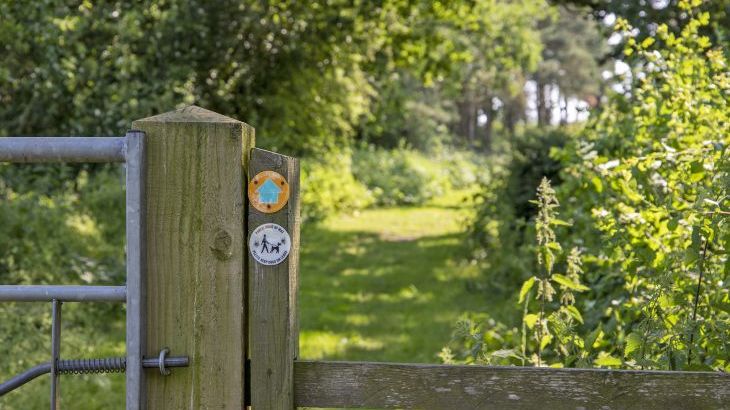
{"x":268,"y":192}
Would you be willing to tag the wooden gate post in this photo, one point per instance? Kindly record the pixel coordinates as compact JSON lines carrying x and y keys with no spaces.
{"x":273,"y":321}
{"x":195,"y":174}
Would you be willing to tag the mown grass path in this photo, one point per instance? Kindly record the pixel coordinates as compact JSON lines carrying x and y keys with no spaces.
{"x":385,"y":285}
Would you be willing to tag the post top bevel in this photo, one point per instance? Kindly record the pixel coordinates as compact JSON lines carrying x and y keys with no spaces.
{"x":191,"y":113}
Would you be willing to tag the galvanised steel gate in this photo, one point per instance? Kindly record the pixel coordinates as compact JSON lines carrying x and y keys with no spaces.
{"x":130,"y":150}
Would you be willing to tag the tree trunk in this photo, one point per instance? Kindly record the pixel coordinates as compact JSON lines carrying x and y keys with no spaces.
{"x":489,"y":126}
{"x":467,"y":118}
{"x":514,"y":112}
{"x":563,"y":110}
{"x":547,"y":94}
{"x":543,"y":116}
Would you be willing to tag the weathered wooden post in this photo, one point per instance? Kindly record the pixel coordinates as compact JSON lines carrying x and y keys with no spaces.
{"x":273,"y":278}
{"x":195,"y":173}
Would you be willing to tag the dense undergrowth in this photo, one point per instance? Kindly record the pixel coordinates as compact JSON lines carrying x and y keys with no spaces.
{"x":624,"y":263}
{"x":349,"y":181}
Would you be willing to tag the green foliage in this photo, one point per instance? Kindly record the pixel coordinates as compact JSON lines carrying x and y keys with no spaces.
{"x":479,"y":338}
{"x":407,"y":177}
{"x":572,"y":55}
{"x":61,"y":225}
{"x":494,"y":76}
{"x":658,"y":198}
{"x":645,"y":188}
{"x":328,"y":187}
{"x":407,"y":112}
{"x":347,"y":182}
{"x":501,"y":231}
{"x":309,"y":77}
{"x":553,"y":328}
{"x":647,"y":16}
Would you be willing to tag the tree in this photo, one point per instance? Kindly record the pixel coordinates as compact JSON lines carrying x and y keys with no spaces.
{"x":646,"y":16}
{"x":502,"y":44}
{"x":569,"y":68}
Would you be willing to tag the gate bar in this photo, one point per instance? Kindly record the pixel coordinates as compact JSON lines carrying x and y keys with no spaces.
{"x":64,"y":293}
{"x":136,"y":261}
{"x":62,"y":149}
{"x":55,"y":353}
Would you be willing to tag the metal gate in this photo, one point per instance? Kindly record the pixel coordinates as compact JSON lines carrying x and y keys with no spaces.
{"x":130,"y":150}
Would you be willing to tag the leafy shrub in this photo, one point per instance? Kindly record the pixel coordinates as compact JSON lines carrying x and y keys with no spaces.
{"x":479,"y":338}
{"x":396,"y":176}
{"x":407,"y":177}
{"x":501,"y":231}
{"x":464,"y":168}
{"x":645,"y":189}
{"x":653,"y":177}
{"x":328,"y":187}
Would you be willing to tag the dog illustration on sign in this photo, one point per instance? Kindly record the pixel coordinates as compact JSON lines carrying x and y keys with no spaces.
{"x":269,"y":247}
{"x":269,"y":244}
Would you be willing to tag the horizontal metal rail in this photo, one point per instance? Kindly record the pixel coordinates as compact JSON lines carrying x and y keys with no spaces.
{"x":68,"y":293}
{"x":62,"y":149}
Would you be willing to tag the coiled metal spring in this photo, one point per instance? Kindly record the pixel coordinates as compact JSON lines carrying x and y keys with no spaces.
{"x":86,"y":366}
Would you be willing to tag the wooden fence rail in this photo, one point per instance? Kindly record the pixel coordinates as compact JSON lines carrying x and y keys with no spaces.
{"x":423,"y":386}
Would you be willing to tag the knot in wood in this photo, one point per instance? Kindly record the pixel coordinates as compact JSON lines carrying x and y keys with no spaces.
{"x":222,"y":245}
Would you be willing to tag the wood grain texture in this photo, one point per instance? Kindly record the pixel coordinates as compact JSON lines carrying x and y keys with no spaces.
{"x":418,"y":386}
{"x":274,"y":332}
{"x":195,"y":256}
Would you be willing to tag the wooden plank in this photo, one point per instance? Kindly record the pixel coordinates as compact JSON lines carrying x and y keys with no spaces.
{"x":195,"y":256}
{"x":274,"y":333}
{"x":420,"y":386}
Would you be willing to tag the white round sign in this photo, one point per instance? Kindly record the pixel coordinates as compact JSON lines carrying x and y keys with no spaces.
{"x":269,"y":244}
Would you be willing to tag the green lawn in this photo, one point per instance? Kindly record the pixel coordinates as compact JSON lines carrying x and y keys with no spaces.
{"x":385,"y":285}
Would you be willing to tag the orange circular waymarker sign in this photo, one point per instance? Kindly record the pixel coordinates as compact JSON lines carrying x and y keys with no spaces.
{"x":268,"y":191}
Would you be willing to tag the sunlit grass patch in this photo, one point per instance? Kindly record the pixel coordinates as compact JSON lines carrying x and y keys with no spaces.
{"x":386,"y":284}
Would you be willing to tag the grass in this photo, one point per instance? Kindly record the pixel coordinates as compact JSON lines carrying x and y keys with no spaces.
{"x":386,"y":284}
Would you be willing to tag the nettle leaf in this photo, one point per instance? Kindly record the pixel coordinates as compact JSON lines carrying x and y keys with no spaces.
{"x":672,"y":224}
{"x":697,"y":172}
{"x":559,"y":222}
{"x":566,"y":282}
{"x":633,"y":343}
{"x":546,"y":339}
{"x":666,"y":302}
{"x":598,"y":184}
{"x":696,"y":239}
{"x":606,"y":360}
{"x":574,"y":313}
{"x":630,"y":192}
{"x":526,"y":287}
{"x":530,"y":320}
